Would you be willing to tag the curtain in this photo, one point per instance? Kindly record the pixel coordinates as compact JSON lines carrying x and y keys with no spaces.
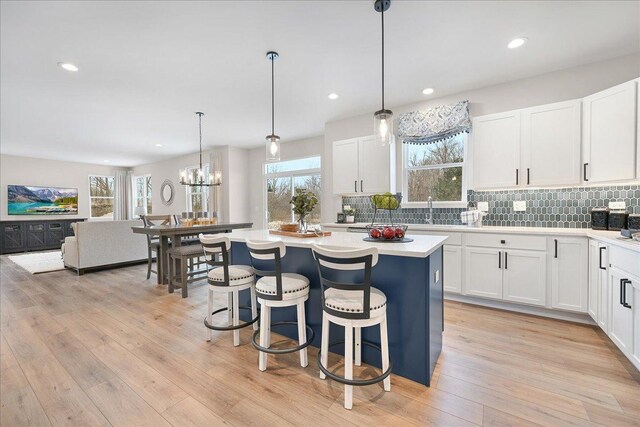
{"x":122,"y":195}
{"x":434,"y":124}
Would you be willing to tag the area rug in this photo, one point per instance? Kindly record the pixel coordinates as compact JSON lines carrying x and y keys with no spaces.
{"x":41,"y":262}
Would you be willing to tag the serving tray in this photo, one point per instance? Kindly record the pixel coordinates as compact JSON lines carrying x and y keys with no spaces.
{"x":306,"y":235}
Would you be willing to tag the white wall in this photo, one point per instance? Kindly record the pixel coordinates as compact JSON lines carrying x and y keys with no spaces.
{"x":557,"y":86}
{"x":288,"y":151}
{"x":15,"y":170}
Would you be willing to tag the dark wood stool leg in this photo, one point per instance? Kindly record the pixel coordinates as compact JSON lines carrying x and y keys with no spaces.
{"x":171,"y":274}
{"x":184,"y":268}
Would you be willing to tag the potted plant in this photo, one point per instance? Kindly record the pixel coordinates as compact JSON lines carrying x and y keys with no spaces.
{"x":303,"y":203}
{"x":350,"y":214}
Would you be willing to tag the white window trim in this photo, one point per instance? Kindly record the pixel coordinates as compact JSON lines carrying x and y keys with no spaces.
{"x":147,"y":196}
{"x":92,"y":218}
{"x":293,"y":174}
{"x":189,"y":189}
{"x":438,"y":204}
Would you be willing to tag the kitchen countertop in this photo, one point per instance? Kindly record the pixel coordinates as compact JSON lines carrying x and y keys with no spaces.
{"x":421,"y":247}
{"x":611,"y":237}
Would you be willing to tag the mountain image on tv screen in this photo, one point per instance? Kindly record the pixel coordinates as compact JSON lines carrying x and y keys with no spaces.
{"x":27,"y":200}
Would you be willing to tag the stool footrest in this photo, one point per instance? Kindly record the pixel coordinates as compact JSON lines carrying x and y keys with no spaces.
{"x":355,"y":382}
{"x":233,"y":327}
{"x":310,"y":335}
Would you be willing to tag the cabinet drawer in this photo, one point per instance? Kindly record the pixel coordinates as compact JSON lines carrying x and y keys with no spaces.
{"x":507,"y":241}
{"x":625,"y":260}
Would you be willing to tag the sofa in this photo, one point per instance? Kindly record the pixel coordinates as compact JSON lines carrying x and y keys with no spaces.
{"x":103,"y":243}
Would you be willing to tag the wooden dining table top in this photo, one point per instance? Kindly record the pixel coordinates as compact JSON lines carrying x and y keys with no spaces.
{"x":177,"y":229}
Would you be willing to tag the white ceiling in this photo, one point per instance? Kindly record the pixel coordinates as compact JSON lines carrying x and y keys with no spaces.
{"x":146,"y":67}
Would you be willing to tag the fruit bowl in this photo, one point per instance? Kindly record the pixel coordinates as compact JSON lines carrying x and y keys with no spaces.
{"x":387,"y":233}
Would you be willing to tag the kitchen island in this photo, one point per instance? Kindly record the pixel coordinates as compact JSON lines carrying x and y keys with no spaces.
{"x":410,"y":275}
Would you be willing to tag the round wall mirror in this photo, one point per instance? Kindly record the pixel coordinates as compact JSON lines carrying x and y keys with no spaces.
{"x":167,"y":192}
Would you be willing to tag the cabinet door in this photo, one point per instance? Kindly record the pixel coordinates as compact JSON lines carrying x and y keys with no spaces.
{"x":635,"y":303}
{"x":13,"y":237}
{"x":345,"y":167}
{"x":569,"y":287}
{"x":55,"y":234}
{"x":551,"y":144}
{"x":483,"y":272}
{"x":525,"y":277}
{"x":374,"y":163}
{"x":453,"y":269}
{"x":36,"y":235}
{"x":496,"y":150}
{"x":621,"y":317}
{"x":603,"y":303}
{"x":593,"y":304}
{"x":609,"y":133}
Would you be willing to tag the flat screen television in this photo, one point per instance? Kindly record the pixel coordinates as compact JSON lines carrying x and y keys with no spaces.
{"x":30,"y":200}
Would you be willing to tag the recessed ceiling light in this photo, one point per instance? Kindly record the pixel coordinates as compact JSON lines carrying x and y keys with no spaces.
{"x":106,"y":161}
{"x":517,"y":42}
{"x":428,"y":91}
{"x":67,"y":66}
{"x":333,"y":96}
{"x":158,"y":145}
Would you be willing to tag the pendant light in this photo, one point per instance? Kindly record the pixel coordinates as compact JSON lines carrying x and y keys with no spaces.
{"x":198,"y":179}
{"x":383,"y":118}
{"x":273,"y":140}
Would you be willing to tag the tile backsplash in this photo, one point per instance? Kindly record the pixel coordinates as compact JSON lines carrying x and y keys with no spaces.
{"x":558,"y":207}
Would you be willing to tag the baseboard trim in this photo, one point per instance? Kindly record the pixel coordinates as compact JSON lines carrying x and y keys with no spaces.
{"x":535,"y":311}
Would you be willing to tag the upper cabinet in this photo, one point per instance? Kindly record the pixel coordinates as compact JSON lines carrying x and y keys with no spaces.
{"x":609,"y":134}
{"x":363,"y":166}
{"x":532,"y":146}
{"x":496,"y":150}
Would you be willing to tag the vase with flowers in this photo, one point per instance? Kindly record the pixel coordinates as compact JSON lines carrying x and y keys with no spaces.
{"x":303,"y":202}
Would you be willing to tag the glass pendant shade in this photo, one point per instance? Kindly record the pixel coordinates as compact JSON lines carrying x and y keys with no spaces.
{"x":273,"y":148}
{"x":383,"y":126}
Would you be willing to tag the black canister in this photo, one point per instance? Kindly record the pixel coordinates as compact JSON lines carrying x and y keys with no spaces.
{"x":633,"y":222}
{"x":618,"y":220}
{"x":600,"y":218}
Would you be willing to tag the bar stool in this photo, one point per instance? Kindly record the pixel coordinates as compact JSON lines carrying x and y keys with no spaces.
{"x":184,"y":262}
{"x":278,"y":289}
{"x":230,"y":279}
{"x":349,"y":300}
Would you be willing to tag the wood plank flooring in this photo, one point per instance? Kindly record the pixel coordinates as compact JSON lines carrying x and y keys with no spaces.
{"x":110,"y":348}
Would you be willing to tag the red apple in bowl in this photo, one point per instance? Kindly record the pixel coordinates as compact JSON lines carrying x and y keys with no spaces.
{"x":399,"y":233}
{"x":388,"y":233}
{"x":374,"y":233}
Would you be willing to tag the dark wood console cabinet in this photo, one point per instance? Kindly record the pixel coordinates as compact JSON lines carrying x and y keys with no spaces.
{"x":34,"y":235}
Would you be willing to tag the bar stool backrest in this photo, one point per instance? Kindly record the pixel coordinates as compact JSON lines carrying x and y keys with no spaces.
{"x":150,"y":220}
{"x":216,"y":252}
{"x":347,"y":270}
{"x":266,"y":260}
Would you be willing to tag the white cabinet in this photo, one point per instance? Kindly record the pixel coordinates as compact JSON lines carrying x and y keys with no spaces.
{"x":569,"y":272}
{"x":453,"y":269}
{"x":363,"y":166}
{"x":598,"y":304}
{"x":496,"y":150}
{"x":550,"y":144}
{"x":635,"y":355}
{"x":593,"y":307}
{"x":609,"y":134}
{"x":524,"y":277}
{"x":483,"y":272}
{"x":621,"y":315}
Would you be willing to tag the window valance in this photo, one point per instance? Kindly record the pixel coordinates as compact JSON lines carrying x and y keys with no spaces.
{"x":434,"y":124}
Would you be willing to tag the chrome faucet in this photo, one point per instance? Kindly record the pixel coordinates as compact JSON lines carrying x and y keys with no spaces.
{"x":429,"y":217}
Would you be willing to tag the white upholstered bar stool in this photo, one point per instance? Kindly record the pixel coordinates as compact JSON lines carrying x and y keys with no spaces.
{"x":278,"y":289}
{"x":230,"y":279}
{"x":349,"y":300}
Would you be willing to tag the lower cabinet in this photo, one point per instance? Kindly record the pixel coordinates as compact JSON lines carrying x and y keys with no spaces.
{"x":452,"y":269}
{"x":621,"y":316}
{"x":34,"y":235}
{"x":598,"y":295}
{"x":569,"y":272}
{"x":483,"y":272}
{"x":635,"y":356}
{"x":524,"y":277}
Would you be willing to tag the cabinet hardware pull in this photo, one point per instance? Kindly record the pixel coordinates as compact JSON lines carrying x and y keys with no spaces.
{"x":600,"y":260}
{"x":623,"y":289}
{"x":527,"y":176}
{"x":503,"y":241}
{"x":499,"y":259}
{"x":355,"y":185}
{"x":516,"y":176}
{"x":361,"y":190}
{"x":506,"y":255}
{"x":584,"y":171}
{"x":555,"y":242}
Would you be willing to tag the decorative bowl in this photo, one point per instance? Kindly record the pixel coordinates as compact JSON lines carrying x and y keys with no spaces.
{"x":394,"y":232}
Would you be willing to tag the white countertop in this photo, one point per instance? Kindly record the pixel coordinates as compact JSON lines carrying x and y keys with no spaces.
{"x":611,"y":237}
{"x":421,"y":247}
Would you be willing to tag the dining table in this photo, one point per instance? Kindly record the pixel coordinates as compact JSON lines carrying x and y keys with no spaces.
{"x":174,"y":233}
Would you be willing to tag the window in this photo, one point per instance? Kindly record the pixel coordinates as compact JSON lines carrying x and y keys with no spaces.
{"x":282,"y":179}
{"x":435,"y":170}
{"x":197,"y":197}
{"x":143,"y":193}
{"x":101,"y":196}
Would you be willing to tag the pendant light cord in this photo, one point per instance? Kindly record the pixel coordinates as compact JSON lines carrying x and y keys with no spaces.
{"x":200,"y":131}
{"x":272,"y":98}
{"x":382,"y":15}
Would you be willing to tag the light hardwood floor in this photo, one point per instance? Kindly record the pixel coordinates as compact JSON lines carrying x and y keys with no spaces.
{"x":110,"y":348}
